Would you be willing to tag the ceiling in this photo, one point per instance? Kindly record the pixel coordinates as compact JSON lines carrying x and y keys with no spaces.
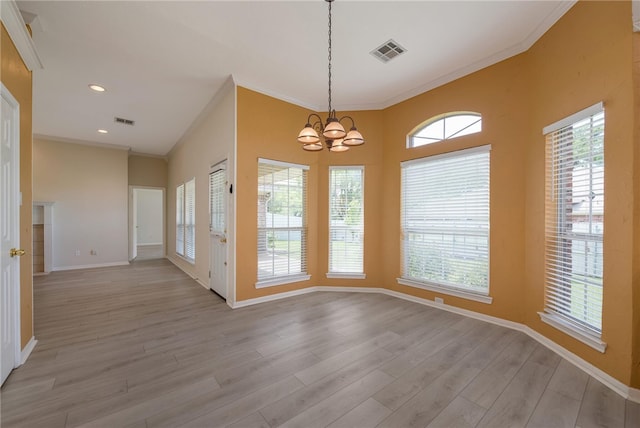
{"x":163,"y":61}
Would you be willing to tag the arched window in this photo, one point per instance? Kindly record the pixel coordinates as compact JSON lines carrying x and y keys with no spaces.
{"x":445,"y":127}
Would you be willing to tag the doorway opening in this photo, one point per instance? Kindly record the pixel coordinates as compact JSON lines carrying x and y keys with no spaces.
{"x":146,"y":236}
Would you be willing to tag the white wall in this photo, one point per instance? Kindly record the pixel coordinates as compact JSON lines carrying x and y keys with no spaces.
{"x":211,"y":139}
{"x":149,"y":216}
{"x":89,"y":188}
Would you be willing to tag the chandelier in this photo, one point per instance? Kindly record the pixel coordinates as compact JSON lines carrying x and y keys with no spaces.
{"x":335,"y":136}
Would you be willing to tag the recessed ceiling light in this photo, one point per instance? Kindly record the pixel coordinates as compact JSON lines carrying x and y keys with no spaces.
{"x":97,"y":88}
{"x":103,"y":131}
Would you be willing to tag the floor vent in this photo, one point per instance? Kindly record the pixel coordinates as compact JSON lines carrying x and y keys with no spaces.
{"x":388,"y":50}
{"x":124,"y":121}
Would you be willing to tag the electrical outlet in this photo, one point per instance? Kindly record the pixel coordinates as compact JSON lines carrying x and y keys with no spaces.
{"x":77,"y":252}
{"x":439,"y":300}
{"x":94,"y":252}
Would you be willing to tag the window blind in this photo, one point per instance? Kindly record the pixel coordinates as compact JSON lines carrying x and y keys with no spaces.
{"x":574,"y":221}
{"x":190,"y":219}
{"x":282,"y":228}
{"x":217,"y":195}
{"x":445,"y":220}
{"x":180,"y":219}
{"x":346,"y":219}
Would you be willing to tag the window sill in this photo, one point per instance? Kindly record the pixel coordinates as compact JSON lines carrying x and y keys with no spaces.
{"x":338,"y":275}
{"x":181,"y":257}
{"x":446,"y":290}
{"x":574,"y":331}
{"x":282,"y":280}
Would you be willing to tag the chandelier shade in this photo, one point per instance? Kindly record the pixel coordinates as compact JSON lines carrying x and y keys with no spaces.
{"x":336,"y":139}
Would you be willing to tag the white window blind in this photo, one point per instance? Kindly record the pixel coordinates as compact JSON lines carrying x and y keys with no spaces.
{"x":190,"y":219}
{"x":445,"y":220}
{"x":282,"y":229}
{"x":346,"y":220}
{"x":574,"y":220}
{"x":186,"y":220}
{"x":217,"y":195}
{"x":180,"y":219}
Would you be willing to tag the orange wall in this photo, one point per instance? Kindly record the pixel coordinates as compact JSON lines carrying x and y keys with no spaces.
{"x":17,"y":78}
{"x":257,"y":113}
{"x":500,"y":94}
{"x":584,"y":58}
{"x":635,"y":345}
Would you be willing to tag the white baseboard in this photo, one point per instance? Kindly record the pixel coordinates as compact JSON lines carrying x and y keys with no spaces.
{"x":92,"y":266}
{"x":192,"y":276}
{"x":272,"y":297}
{"x":24,"y":354}
{"x":620,"y":388}
{"x":152,"y":244}
{"x":201,"y":282}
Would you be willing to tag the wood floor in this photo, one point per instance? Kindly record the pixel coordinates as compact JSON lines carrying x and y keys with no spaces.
{"x":145,"y":346}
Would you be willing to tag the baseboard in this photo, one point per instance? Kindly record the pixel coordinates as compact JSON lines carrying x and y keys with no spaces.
{"x":150,"y":245}
{"x":199,"y":281}
{"x":24,"y":354}
{"x":272,"y":297}
{"x":92,"y":266}
{"x":189,"y":274}
{"x":620,"y":388}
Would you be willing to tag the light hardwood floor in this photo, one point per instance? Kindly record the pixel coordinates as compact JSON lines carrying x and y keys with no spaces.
{"x":144,"y":345}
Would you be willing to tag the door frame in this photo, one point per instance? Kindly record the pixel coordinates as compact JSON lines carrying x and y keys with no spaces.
{"x":14,"y":290}
{"x":222,"y":164}
{"x":133,"y":220}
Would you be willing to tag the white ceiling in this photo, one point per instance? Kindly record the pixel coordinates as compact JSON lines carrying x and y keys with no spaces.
{"x":163,"y":61}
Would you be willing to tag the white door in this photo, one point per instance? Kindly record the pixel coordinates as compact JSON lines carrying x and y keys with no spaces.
{"x":218,"y":199}
{"x":133,"y":239}
{"x":9,"y":233}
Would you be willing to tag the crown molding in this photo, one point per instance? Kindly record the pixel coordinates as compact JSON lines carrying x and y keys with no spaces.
{"x":17,"y":29}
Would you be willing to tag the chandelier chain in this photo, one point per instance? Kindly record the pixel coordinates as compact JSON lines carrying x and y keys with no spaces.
{"x":329,"y":49}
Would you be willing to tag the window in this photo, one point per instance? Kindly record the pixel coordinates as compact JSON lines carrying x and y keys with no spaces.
{"x":445,"y":223}
{"x":282,"y":228}
{"x":445,"y":127}
{"x":574,"y":223}
{"x":186,"y":220}
{"x":346,"y":222}
{"x":217,"y":195}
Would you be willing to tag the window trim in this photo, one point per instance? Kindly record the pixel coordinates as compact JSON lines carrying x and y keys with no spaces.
{"x":290,"y":278}
{"x":183,"y":255}
{"x":453,"y":290}
{"x":441,"y":117}
{"x":554,"y":319}
{"x":573,"y":330}
{"x":345,"y":275}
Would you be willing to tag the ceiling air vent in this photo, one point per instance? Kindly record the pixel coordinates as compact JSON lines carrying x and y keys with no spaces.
{"x":124,"y":121}
{"x":388,"y":50}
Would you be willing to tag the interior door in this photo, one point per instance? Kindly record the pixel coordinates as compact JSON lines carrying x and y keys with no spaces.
{"x":218,"y":200}
{"x":9,"y":234}
{"x":134,"y":232}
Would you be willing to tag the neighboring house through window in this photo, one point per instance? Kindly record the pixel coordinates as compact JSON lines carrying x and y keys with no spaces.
{"x":574,"y":225}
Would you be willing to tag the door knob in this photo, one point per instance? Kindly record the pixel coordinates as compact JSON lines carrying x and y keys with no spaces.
{"x":223,"y":240}
{"x":14,"y":252}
